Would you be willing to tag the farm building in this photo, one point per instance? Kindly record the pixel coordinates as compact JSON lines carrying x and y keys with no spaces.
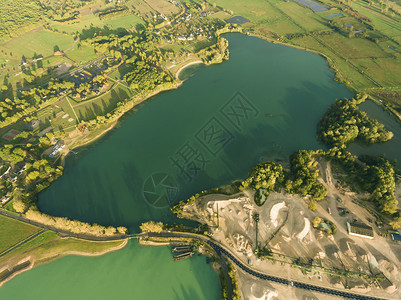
{"x":359,"y":229}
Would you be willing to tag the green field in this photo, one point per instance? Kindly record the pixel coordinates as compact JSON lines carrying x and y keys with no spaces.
{"x":49,"y":244}
{"x":86,"y":21}
{"x":362,"y":62}
{"x":58,"y":116}
{"x":102,"y":104}
{"x":304,"y":16}
{"x":13,"y":232}
{"x":81,"y":54}
{"x":39,"y":41}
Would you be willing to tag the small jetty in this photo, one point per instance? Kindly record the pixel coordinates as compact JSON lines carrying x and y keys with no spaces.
{"x":184,"y":255}
{"x":182,"y":248}
{"x":184,"y":251}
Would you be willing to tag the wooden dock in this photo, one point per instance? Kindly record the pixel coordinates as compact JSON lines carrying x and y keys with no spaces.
{"x":184,"y":255}
{"x":182,"y":248}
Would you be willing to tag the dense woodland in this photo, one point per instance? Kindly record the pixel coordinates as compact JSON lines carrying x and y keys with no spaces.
{"x":26,"y":157}
{"x":367,"y":173}
{"x":17,"y":14}
{"x":302,"y":178}
{"x":139,"y":54}
{"x":343,"y":123}
{"x":304,"y":175}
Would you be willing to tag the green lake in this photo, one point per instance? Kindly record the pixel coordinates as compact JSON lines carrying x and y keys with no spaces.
{"x":262,"y":104}
{"x":132,"y":273}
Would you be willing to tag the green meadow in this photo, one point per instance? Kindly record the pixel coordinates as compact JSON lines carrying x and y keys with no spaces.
{"x":15,"y":231}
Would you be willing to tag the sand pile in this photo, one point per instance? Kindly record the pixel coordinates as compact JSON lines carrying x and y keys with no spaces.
{"x":305,"y":230}
{"x":274,"y":212}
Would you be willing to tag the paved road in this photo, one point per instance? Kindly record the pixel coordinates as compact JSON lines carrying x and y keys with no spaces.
{"x":222,"y":250}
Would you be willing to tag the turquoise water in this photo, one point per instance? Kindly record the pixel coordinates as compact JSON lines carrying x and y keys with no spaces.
{"x":262,"y":104}
{"x":134,"y":272}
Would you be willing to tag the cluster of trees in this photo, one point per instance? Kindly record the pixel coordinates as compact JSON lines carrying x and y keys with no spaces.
{"x":217,"y":53}
{"x":152,"y":226}
{"x":146,"y":78}
{"x":267,"y":175}
{"x":234,"y":282}
{"x":373,"y":174}
{"x":139,"y":55}
{"x":317,"y":221}
{"x":28,"y":173}
{"x":344,"y":123}
{"x":264,"y":178}
{"x":178,"y":208}
{"x":12,"y":108}
{"x":15,"y":14}
{"x":378,"y":179}
{"x":74,"y":226}
{"x":303,"y":178}
{"x":112,"y":12}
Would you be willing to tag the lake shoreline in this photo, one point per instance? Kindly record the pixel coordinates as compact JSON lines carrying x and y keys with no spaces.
{"x":157,"y":91}
{"x":100,"y":132}
{"x":111,"y":125}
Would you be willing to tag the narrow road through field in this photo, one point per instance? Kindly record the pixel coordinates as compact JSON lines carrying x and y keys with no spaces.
{"x":23,"y":242}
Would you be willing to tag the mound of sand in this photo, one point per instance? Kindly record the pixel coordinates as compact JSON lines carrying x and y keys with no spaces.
{"x":304,"y":231}
{"x":274,"y":212}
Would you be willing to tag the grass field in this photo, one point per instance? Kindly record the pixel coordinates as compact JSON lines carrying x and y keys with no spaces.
{"x":13,"y":232}
{"x":39,"y":41}
{"x":89,"y":20}
{"x":58,"y":116}
{"x":49,"y":244}
{"x":388,"y":26}
{"x":363,"y":64}
{"x":301,"y":15}
{"x":81,"y":54}
{"x":259,"y":11}
{"x":102,"y":104}
{"x":144,"y":9}
{"x":354,"y":48}
{"x":164,"y":7}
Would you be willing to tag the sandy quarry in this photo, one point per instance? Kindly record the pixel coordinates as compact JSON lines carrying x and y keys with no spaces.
{"x":285,"y":225}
